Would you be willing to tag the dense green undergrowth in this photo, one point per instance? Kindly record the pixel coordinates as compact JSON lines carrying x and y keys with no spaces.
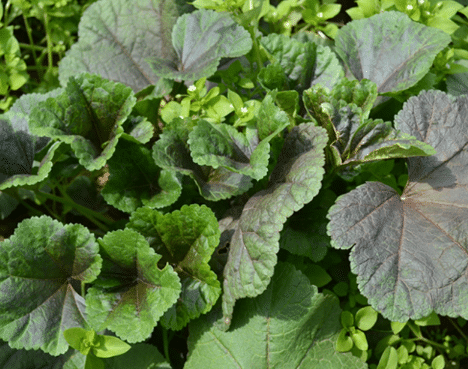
{"x":233,"y":184}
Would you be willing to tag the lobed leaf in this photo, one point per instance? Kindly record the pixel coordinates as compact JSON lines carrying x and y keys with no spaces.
{"x":136,"y":181}
{"x":88,"y":115}
{"x":140,"y":292}
{"x":41,"y":266}
{"x":186,"y":238}
{"x":115,"y":38}
{"x":410,"y":251}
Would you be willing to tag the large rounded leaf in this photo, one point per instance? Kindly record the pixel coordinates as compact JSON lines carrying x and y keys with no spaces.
{"x":389,"y":49}
{"x":289,"y":326}
{"x":41,"y":267}
{"x":410,"y":251}
{"x":131,"y":292}
{"x":115,"y":38}
{"x":200,"y":40}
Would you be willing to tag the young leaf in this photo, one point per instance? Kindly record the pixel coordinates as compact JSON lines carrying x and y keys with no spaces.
{"x":354,"y":138}
{"x":108,"y":346}
{"x":242,"y":153}
{"x":409,"y":252}
{"x":366,"y":317}
{"x":75,"y":337}
{"x":378,"y":37}
{"x":200,"y":40}
{"x":172,"y":153}
{"x":294,"y":182}
{"x":186,"y":238}
{"x":132,"y":309}
{"x":290,"y":325}
{"x":41,"y":266}
{"x":115,"y":38}
{"x":89,"y":113}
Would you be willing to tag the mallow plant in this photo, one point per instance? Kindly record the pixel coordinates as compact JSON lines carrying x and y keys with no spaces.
{"x":190,"y":191}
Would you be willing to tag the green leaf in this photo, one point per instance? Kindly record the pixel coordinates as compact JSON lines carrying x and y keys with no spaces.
{"x":366,"y":317}
{"x":135,"y":180}
{"x":355,"y":139}
{"x":389,"y":359}
{"x":360,"y":340}
{"x":294,"y":182}
{"x":186,"y":238}
{"x":200,"y":40}
{"x":108,"y":346}
{"x":41,"y":266}
{"x":378,"y":37}
{"x":115,"y":38}
{"x":431,"y":319}
{"x":290,"y":325}
{"x":408,"y":250}
{"x":242,"y":153}
{"x":397,"y":327}
{"x":133,"y":308}
{"x":438,"y":362}
{"x":88,"y":114}
{"x":347,"y":319}
{"x":75,"y":337}
{"x":171,"y":152}
{"x":303,"y":62}
{"x":344,"y":342}
{"x":93,"y":362}
{"x":141,"y":356}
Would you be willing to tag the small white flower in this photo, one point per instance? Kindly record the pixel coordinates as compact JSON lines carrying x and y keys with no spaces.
{"x":181,"y":117}
{"x":192,"y":88}
{"x":320,"y":15}
{"x":421,"y":2}
{"x":231,"y":106}
{"x":244,"y":110}
{"x":409,"y":7}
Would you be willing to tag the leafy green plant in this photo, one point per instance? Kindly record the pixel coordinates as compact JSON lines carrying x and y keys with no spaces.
{"x":216,"y":194}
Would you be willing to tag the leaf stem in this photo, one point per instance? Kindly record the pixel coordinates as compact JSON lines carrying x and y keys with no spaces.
{"x":88,"y":213}
{"x":49,"y":43}
{"x":32,"y":46}
{"x":459,"y":330}
{"x":166,"y":345}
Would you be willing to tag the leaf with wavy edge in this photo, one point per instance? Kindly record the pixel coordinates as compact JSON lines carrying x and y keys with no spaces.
{"x":294,"y":182}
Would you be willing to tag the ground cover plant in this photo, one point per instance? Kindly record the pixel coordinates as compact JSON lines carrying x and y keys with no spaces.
{"x":237,"y":184}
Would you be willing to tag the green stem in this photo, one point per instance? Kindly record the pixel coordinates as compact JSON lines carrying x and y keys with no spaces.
{"x":459,"y":330}
{"x":49,"y":42}
{"x":31,"y":42}
{"x":31,"y":47}
{"x":83,"y":289}
{"x":88,"y":213}
{"x":166,"y":345}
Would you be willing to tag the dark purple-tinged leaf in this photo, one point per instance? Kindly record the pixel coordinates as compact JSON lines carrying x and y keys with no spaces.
{"x":172,"y":152}
{"x":41,"y":267}
{"x":253,"y":247}
{"x":303,"y":62}
{"x":200,"y":40}
{"x":186,"y":238}
{"x":410,"y":252}
{"x":115,"y":38}
{"x":88,"y":115}
{"x":135,"y":180}
{"x":132,"y":292}
{"x":389,"y":49}
{"x":290,"y":325}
